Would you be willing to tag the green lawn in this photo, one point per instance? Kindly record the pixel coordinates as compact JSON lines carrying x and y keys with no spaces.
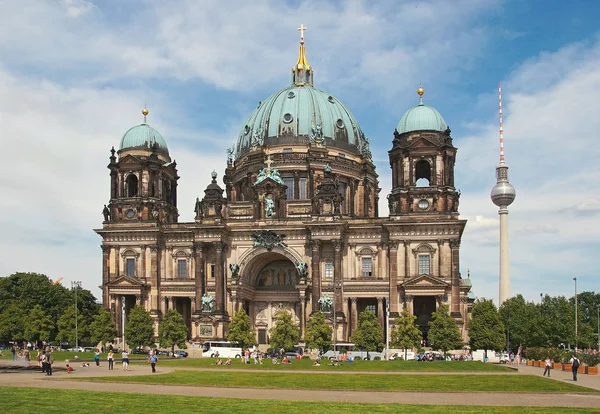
{"x":63,"y":355}
{"x":33,"y":400}
{"x":379,"y":382}
{"x":307,"y":364}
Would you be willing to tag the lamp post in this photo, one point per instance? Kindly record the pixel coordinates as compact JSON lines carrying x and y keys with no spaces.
{"x":598,"y":329}
{"x":335,"y":285}
{"x":75,"y":285}
{"x":575,"y":280}
{"x":123,"y":319}
{"x":387,"y":329}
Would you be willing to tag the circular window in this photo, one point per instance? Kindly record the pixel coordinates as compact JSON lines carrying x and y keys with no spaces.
{"x":130,"y":213}
{"x":339,"y":123}
{"x":246,"y":130}
{"x":287,"y":118}
{"x":291,"y":94}
{"x":423,"y":204}
{"x":330,"y":99}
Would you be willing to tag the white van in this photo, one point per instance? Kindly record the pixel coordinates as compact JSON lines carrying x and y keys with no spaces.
{"x":222,"y":349}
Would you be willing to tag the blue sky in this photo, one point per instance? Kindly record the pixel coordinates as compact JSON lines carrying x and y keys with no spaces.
{"x":74,"y":75}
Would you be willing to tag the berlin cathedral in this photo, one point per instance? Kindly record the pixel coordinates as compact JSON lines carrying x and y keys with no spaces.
{"x":295,"y":225}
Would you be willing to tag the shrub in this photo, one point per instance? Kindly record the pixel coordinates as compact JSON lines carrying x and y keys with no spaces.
{"x":305,"y":357}
{"x":590,"y":359}
{"x":358,"y":359}
{"x":377,"y":358}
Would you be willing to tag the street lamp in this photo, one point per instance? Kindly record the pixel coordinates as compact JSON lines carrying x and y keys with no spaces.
{"x":598,"y":329}
{"x":575,"y":280}
{"x":335,"y":285}
{"x":123,"y":319}
{"x":387,"y":329}
{"x":76,"y":285}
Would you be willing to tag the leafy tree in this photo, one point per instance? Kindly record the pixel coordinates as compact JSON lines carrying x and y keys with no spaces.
{"x":172,"y":331}
{"x":443,"y":331}
{"x":285,"y":333}
{"x":557,"y":319}
{"x":38,"y":325}
{"x":67,"y":332}
{"x":318,"y":333}
{"x":523,"y":322}
{"x":102,"y":328}
{"x":486,"y":330}
{"x":139,"y":329}
{"x":12,"y":321}
{"x":240,"y":331}
{"x":405,"y":334}
{"x":368,"y":335}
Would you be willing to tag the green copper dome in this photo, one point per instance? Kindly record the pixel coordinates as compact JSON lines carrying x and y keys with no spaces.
{"x":143,"y":136}
{"x":421,"y":118}
{"x":292,"y":114}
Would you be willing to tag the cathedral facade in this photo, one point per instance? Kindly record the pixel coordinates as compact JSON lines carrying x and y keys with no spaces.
{"x":295,"y":225}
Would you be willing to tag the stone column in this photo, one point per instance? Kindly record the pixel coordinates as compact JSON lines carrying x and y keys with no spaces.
{"x":198,"y":275}
{"x":143,"y":261}
{"x":169,"y":258}
{"x":408,"y":302}
{"x":354,"y":310}
{"x":105,"y":275}
{"x":163,"y":305}
{"x":440,"y":244}
{"x":407,"y":259}
{"x":154,"y":279}
{"x":316,"y":274}
{"x":302,"y":316}
{"x":219,"y":278}
{"x":117,"y":251}
{"x":337,"y":274}
{"x":380,"y":312}
{"x":455,"y":270}
{"x":171,"y":302}
{"x":393,"y":246}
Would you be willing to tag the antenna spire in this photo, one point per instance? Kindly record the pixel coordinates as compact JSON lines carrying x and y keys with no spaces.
{"x":501,"y":127}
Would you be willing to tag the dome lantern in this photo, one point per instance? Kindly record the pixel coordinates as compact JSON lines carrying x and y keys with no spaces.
{"x":302,"y":73}
{"x":421,"y":118}
{"x":143,"y":137}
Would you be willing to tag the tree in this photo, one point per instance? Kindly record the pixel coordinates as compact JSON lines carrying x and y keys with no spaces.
{"x":556,"y":320}
{"x":405,"y":334}
{"x":12,"y":320}
{"x":368,"y":335}
{"x":139,"y":329}
{"x":38,"y":326}
{"x":285,"y":333}
{"x":102,"y":328}
{"x":240,"y":331}
{"x":523,"y":322}
{"x":172,"y":331}
{"x":443,"y":331}
{"x":318,"y":333}
{"x":486,"y":330}
{"x":66,"y":327}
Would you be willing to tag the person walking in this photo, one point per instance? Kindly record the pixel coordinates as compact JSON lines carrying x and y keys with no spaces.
{"x":44,"y":362}
{"x":575,"y":362}
{"x":49,"y":362}
{"x":125,"y":359}
{"x":97,"y":357}
{"x":111,"y":359}
{"x":548,"y":365}
{"x":153,"y":360}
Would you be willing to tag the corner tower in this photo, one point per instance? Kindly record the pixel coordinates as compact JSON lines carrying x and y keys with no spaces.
{"x":422,"y":161}
{"x":143,"y":179}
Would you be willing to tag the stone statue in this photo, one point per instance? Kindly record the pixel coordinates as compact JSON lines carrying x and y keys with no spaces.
{"x":106,"y":213}
{"x":327,"y":169}
{"x":257,"y":138}
{"x":316,"y":134}
{"x":230,"y":155}
{"x":269,"y":207}
{"x":325,"y":304}
{"x":302,"y":269}
{"x":365,"y":149}
{"x":235,"y":270}
{"x":208,"y":303}
{"x":198,"y":209}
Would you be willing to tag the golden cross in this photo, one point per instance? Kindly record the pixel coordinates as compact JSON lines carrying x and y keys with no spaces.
{"x":269,"y":161}
{"x":301,"y":29}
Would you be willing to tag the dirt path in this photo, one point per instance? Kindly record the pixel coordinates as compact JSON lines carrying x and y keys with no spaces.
{"x":38,"y":380}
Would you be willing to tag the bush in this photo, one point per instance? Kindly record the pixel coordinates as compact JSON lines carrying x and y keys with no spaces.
{"x":377,"y":358}
{"x":590,"y":359}
{"x":358,"y":359}
{"x":305,"y":357}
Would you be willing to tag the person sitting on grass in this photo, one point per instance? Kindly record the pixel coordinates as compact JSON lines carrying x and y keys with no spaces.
{"x":274,"y":360}
{"x":228,"y":362}
{"x":317,"y":363}
{"x":219,"y":362}
{"x":285,"y":360}
{"x":69,"y":369}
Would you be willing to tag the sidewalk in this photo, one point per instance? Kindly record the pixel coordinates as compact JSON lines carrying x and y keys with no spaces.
{"x":584,"y":380}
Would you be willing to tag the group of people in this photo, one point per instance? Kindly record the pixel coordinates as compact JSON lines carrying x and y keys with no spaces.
{"x":574,"y":361}
{"x":45,"y":360}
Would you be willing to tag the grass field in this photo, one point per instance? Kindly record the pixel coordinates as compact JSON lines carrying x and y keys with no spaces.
{"x":379,"y":382}
{"x":32,"y":400}
{"x":63,"y":355}
{"x":307,"y":364}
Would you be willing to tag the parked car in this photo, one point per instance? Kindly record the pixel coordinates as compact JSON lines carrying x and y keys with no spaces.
{"x":139,"y":351}
{"x":293,"y":355}
{"x":163,"y":352}
{"x":180,"y":353}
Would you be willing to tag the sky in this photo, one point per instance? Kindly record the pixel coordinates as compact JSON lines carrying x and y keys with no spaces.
{"x":75,"y":74}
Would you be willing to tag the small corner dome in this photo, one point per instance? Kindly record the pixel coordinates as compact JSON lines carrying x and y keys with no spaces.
{"x":421,"y":118}
{"x":143,"y":136}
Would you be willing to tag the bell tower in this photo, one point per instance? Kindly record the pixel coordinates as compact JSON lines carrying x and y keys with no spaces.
{"x":143,"y":179}
{"x":422,"y":161}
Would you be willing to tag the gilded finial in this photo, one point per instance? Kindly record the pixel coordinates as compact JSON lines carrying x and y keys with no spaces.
{"x":302,"y":72}
{"x":145,"y":113}
{"x":420,"y":91}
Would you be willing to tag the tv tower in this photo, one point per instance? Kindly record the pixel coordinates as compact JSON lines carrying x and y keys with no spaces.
{"x":503,"y":194}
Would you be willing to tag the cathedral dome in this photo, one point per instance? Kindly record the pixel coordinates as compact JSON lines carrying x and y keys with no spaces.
{"x":299,"y":113}
{"x":143,"y":136}
{"x":421,"y":118}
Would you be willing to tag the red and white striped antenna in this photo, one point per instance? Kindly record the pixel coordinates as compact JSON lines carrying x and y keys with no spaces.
{"x":501,"y":128}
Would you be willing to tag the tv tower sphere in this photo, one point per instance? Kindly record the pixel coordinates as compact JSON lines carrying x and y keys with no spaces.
{"x":503,"y":193}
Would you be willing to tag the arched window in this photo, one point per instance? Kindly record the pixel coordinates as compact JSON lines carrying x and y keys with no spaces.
{"x":132,"y":185}
{"x":423,"y":173}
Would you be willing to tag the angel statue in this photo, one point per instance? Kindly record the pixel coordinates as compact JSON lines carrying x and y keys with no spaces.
{"x":235,"y":270}
{"x":325,"y":304}
{"x":208,"y":303}
{"x":302,"y":269}
{"x":316,"y":134}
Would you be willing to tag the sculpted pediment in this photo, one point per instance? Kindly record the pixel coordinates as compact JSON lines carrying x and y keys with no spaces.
{"x":425,"y":281}
{"x":129,"y":159}
{"x":422,"y":142}
{"x":125,"y":281}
